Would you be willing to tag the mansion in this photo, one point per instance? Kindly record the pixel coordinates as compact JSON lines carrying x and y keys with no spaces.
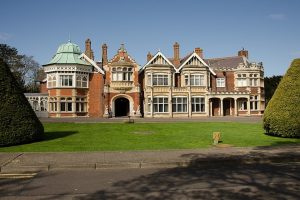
{"x":191,"y":86}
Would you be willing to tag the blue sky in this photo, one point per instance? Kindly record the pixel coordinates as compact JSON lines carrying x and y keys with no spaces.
{"x":268,"y":29}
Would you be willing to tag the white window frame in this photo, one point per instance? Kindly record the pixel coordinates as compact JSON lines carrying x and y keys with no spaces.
{"x":160,"y":104}
{"x":160,"y":79}
{"x":254,"y":102}
{"x":179,"y":104}
{"x":66,"y":103}
{"x":196,"y":80}
{"x":220,"y":82}
{"x":80,"y":82}
{"x":122,"y":74}
{"x":198,"y":106}
{"x":242,"y":105}
{"x":81,"y":104}
{"x":66,"y":77}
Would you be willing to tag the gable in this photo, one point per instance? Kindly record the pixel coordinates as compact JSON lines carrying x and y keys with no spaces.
{"x":91,"y":62}
{"x":158,"y":59}
{"x":195,"y":59}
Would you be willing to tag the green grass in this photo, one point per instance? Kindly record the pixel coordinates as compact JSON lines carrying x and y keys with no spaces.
{"x":146,"y":136}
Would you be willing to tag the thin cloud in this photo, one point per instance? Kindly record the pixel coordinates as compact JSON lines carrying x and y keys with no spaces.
{"x":277,"y":16}
{"x":4,"y":36}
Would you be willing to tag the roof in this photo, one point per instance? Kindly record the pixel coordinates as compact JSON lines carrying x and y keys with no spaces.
{"x":154,"y":57}
{"x":225,"y":63}
{"x":68,"y":53}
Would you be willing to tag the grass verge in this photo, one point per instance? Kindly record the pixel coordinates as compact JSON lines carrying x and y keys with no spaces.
{"x":61,"y":137}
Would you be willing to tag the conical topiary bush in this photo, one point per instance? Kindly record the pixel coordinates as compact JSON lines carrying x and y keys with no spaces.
{"x":18,"y":122}
{"x":282,"y":115}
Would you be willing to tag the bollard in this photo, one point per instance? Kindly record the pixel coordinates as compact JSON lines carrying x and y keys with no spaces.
{"x":216,"y":137}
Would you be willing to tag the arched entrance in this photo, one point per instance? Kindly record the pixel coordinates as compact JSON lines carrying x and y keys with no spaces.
{"x":121,"y":107}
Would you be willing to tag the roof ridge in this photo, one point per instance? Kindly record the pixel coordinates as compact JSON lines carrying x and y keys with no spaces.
{"x":227,"y":57}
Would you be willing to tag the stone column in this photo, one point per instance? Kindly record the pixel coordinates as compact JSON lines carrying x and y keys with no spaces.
{"x":207,"y":107}
{"x":248,"y":106}
{"x":221,"y":107}
{"x":235,"y":108}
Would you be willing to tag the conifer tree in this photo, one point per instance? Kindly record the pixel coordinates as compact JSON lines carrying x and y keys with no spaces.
{"x":18,"y":122}
{"x":282,"y":115}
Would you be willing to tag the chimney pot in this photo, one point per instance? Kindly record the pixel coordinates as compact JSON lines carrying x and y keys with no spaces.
{"x":243,"y":52}
{"x":199,"y":52}
{"x":149,"y":56}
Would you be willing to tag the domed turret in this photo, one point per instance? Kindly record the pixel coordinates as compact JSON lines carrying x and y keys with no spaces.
{"x":67,"y":53}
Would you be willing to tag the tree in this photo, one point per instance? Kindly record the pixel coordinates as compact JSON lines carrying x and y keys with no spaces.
{"x":18,"y":122}
{"x":271,"y":84}
{"x":23,"y":67}
{"x":281,"y":117}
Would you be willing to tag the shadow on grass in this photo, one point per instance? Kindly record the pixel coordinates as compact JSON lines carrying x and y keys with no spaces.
{"x":57,"y":134}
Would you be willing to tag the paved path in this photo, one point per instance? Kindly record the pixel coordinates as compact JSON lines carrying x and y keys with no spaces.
{"x":245,"y":119}
{"x":32,"y":162}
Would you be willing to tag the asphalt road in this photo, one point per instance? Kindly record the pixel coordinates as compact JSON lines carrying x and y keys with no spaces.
{"x":260,"y":181}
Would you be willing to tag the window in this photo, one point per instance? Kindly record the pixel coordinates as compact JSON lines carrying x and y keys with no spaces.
{"x":179,"y":104}
{"x":160,"y":104}
{"x":81,"y":81}
{"x":195,"y":80}
{"x":149,"y":104}
{"x":242,"y":105}
{"x":241,"y":80}
{"x":253,"y":102}
{"x":53,"y":104}
{"x":122,"y":73}
{"x":149,"y":79}
{"x":66,"y":104}
{"x":253,"y":80}
{"x":66,"y":80}
{"x":198,"y":104}
{"x":81,"y":104}
{"x":51,"y":81}
{"x":160,"y":79}
{"x":220,"y":82}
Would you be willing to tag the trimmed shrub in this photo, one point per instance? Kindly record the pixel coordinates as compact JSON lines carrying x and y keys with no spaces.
{"x":18,"y":122}
{"x":282,"y":115}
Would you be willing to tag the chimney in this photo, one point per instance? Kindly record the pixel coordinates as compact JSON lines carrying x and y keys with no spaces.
{"x":104,"y":54}
{"x":92,"y":55}
{"x":243,"y":52}
{"x":149,"y":56}
{"x":88,"y":49}
{"x":199,"y":52}
{"x":176,"y":54}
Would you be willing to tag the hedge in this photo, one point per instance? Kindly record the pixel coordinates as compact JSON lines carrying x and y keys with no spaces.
{"x":282,"y":115}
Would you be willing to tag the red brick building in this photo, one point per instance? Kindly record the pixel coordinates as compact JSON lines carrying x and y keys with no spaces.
{"x":189,"y":86}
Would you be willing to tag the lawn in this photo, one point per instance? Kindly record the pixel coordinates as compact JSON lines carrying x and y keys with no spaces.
{"x":146,"y":136}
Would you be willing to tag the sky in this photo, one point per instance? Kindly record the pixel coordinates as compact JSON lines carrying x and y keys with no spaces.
{"x":268,"y":29}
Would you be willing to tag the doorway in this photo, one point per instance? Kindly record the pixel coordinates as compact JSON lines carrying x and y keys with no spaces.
{"x":121,"y":107}
{"x":226,"y":107}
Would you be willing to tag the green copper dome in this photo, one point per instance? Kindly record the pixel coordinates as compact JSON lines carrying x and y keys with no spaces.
{"x":68,"y":54}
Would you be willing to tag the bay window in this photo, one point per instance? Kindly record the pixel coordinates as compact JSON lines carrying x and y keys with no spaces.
{"x":179,"y":104}
{"x":160,"y":104}
{"x":198,"y":104}
{"x":160,"y":79}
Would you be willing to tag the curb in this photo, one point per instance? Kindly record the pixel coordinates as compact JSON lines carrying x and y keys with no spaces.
{"x":198,"y":162}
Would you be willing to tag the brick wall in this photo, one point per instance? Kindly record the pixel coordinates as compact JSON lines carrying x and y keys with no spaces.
{"x":95,"y":95}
